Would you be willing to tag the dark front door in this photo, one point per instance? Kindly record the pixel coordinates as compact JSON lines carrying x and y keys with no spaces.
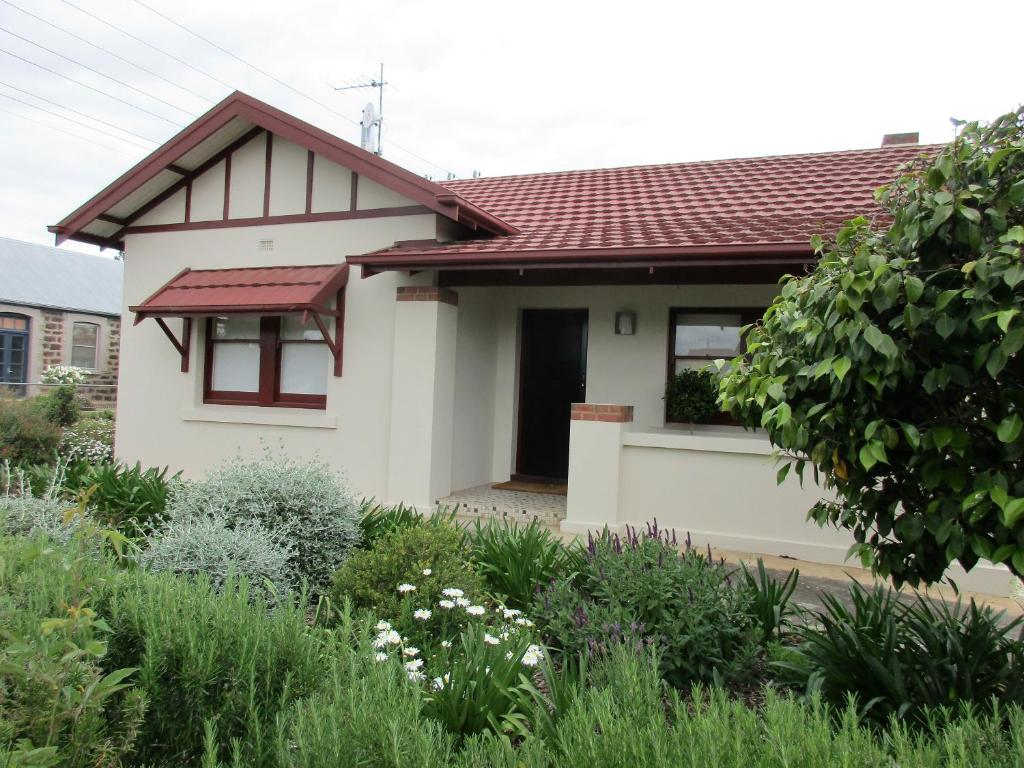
{"x":553,"y":375}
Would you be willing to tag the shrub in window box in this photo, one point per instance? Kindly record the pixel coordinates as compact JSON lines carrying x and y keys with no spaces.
{"x":691,"y":396}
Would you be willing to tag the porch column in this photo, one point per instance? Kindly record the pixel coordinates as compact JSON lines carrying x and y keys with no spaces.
{"x":595,"y":455}
{"x":423,"y":395}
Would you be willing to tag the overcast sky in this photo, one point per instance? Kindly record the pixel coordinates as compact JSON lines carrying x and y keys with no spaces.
{"x":498,"y":87}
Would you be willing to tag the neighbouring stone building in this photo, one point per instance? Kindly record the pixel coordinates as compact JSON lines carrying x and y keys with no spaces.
{"x":59,"y":307}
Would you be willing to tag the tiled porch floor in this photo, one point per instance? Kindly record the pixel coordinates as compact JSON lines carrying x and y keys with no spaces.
{"x":485,"y":501}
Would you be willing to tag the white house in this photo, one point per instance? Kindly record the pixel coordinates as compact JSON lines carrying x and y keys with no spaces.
{"x":430,"y":339}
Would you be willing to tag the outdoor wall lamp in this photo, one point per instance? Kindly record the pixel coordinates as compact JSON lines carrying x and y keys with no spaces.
{"x":625,"y":323}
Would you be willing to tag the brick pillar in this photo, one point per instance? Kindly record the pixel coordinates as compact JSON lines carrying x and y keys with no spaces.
{"x":595,"y":456}
{"x":423,"y":395}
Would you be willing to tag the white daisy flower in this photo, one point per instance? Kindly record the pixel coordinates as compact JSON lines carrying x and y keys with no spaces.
{"x":446,"y":604}
{"x":490,"y":639}
{"x":382,"y":626}
{"x":437,"y":684}
{"x":508,"y":656}
{"x":427,"y":571}
{"x":414,"y":665}
{"x":415,"y":676}
{"x":511,"y":613}
{"x":411,"y":650}
{"x":380,"y":656}
{"x":475,"y":610}
{"x":461,"y":602}
{"x":452,"y":592}
{"x":406,"y":587}
{"x":531,"y":659}
{"x":446,"y":643}
{"x":522,"y":621}
{"x":422,"y":614}
{"x":391,"y":637}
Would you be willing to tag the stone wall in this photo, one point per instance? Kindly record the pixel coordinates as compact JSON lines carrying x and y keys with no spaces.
{"x":99,"y":388}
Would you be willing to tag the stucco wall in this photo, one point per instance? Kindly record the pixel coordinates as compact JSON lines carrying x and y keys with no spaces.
{"x":161,"y":417}
{"x":630,"y":370}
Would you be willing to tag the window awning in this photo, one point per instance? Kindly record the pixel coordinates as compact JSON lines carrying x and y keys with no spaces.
{"x":251,"y":291}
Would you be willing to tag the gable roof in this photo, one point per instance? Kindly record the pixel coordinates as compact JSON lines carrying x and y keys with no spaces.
{"x":230,"y":123}
{"x":721,"y":208}
{"x":41,"y":276}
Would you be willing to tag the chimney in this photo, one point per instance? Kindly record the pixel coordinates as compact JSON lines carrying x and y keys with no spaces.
{"x":895,"y":139}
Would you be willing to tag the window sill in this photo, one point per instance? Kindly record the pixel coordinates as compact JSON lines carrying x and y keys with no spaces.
{"x":265,"y":416}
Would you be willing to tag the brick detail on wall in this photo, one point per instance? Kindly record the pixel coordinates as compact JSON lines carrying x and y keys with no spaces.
{"x":427,"y":293}
{"x":619,"y":414}
{"x":103,"y":390}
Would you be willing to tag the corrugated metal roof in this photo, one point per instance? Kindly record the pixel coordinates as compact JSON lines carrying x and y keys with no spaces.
{"x":41,"y":276}
{"x":247,"y":289}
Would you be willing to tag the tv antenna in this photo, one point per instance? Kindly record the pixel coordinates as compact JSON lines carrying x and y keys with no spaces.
{"x":372,"y":118}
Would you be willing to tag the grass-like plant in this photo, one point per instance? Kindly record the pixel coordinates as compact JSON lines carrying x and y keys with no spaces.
{"x":517,"y":560}
{"x":770,"y":599}
{"x":900,"y":659}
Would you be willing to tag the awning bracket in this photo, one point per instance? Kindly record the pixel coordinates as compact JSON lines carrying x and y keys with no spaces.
{"x":182,"y":346}
{"x":337,"y":344}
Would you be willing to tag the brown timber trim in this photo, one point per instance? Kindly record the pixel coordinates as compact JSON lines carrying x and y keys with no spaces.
{"x":618,"y":414}
{"x":106,"y":217}
{"x":310,"y":154}
{"x":178,"y":170}
{"x":200,"y":169}
{"x":188,"y":202}
{"x":288,"y":218}
{"x":678,"y":272}
{"x":266,"y":175}
{"x":427,"y":293}
{"x":227,"y":187}
{"x":353,"y":201}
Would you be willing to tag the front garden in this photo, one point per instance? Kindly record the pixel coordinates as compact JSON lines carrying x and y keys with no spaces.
{"x":263,"y":617}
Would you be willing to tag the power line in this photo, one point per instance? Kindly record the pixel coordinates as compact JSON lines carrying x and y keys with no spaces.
{"x":75,"y":111}
{"x":138,"y":39}
{"x":97,"y":72}
{"x":107,"y":51}
{"x":275,"y":79}
{"x":76,"y":122}
{"x":69,"y":133}
{"x":91,"y":88}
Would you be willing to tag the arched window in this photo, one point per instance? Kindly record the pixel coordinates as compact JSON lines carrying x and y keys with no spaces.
{"x":14,"y":351}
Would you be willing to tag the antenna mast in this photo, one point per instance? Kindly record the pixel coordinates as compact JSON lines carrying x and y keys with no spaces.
{"x":379,"y":85}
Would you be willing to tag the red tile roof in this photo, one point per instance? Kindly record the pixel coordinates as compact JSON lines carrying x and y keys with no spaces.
{"x":265,"y":289}
{"x":762,"y":204}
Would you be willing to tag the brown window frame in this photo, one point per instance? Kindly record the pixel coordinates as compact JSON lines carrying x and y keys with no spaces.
{"x":269,"y":393}
{"x":747,"y":315}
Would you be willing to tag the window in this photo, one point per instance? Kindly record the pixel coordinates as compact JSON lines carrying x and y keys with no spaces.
{"x":84,"y":343}
{"x":254,"y":360}
{"x":14,"y":352}
{"x":699,"y":337}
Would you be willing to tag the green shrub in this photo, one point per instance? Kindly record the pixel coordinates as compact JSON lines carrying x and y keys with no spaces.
{"x":89,"y":440}
{"x":49,"y":514}
{"x":219,"y":550}
{"x":205,"y":656}
{"x":770,"y":600}
{"x":26,"y":435}
{"x":692,"y":396}
{"x":900,"y":659}
{"x":639,"y":589}
{"x":60,"y":405}
{"x":376,"y":521}
{"x":58,"y":704}
{"x":128,"y":498}
{"x":370,"y":578}
{"x":517,"y":560}
{"x":303,"y":502}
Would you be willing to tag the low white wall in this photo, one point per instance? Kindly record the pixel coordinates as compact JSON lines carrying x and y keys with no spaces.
{"x":718,"y":484}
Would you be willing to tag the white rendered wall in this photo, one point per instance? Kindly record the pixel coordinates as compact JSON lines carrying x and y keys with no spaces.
{"x":161,"y":417}
{"x":627,"y":370}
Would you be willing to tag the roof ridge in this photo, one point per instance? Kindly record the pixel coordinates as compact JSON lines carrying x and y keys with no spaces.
{"x":887,"y":149}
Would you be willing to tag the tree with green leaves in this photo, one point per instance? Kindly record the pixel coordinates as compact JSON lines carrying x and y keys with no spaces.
{"x":894,"y":367}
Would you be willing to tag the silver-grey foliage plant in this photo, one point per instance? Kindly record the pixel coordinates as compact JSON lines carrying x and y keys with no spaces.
{"x":23,"y":514}
{"x":305,"y":504}
{"x":222,"y":549}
